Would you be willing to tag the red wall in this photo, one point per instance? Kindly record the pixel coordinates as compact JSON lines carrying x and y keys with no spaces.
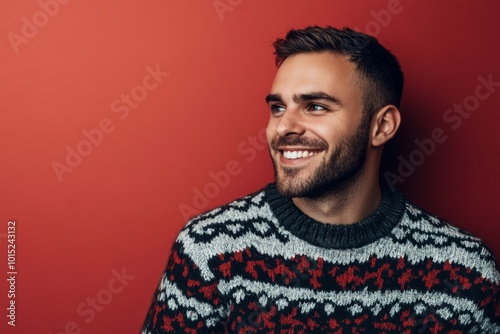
{"x":114,"y":210}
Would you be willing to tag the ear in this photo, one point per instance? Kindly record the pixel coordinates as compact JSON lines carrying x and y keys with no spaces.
{"x":385,"y":123}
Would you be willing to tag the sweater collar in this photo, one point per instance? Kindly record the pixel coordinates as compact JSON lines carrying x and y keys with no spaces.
{"x":355,"y":235}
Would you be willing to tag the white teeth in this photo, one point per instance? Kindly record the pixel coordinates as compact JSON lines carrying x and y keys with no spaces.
{"x":298,"y":154}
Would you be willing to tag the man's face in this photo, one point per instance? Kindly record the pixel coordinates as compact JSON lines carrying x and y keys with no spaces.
{"x":317,"y":134}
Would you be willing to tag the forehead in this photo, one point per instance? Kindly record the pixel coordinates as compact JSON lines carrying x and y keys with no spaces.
{"x":314,"y":72}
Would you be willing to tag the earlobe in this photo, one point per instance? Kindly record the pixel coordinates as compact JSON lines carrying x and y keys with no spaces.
{"x":385,"y":124}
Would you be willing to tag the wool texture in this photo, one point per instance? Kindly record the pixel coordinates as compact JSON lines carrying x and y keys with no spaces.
{"x":259,"y":265}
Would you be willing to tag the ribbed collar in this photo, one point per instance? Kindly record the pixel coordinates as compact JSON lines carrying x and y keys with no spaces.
{"x":374,"y":227}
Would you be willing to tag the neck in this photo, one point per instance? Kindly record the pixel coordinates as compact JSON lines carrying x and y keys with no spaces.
{"x":345,"y":205}
{"x":337,"y":236}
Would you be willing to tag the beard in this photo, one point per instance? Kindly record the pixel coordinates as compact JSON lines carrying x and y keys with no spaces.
{"x":335,"y":172}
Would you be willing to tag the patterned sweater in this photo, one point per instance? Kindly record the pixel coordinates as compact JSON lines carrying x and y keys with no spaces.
{"x":259,"y":265}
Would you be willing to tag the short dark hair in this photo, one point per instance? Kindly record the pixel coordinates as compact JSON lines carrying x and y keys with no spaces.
{"x":380,"y":70}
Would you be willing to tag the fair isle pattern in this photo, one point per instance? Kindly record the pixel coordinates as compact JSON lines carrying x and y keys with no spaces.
{"x":248,"y":267}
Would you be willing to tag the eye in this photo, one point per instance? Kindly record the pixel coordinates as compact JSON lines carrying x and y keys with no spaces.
{"x":276,"y":109}
{"x":316,"y":107}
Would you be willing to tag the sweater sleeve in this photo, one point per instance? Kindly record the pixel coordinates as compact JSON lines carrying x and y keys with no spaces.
{"x":488,"y":300}
{"x":490,"y":303}
{"x":184,"y":302}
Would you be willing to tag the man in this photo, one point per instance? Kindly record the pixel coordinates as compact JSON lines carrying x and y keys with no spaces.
{"x":325,"y":249}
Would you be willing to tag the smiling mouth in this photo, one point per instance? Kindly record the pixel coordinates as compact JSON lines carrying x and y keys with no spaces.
{"x":292,"y":155}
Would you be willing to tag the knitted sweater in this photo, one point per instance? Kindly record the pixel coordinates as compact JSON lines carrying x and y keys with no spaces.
{"x":259,"y":265}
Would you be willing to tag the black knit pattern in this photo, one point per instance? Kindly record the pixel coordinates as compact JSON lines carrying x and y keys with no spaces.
{"x":339,"y":236}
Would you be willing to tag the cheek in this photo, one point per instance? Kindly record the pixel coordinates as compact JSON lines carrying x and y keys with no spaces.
{"x":270,"y":131}
{"x":327,"y":132}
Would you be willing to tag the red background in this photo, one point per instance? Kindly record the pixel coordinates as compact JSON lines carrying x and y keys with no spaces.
{"x":119,"y":208}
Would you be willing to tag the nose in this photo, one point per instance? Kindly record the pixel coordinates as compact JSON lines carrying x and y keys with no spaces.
{"x":291,"y":122}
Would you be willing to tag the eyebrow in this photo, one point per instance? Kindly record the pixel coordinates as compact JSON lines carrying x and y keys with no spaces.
{"x":274,"y":98}
{"x":297,"y":98}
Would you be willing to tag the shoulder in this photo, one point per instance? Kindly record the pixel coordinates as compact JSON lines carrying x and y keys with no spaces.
{"x":225,"y":230}
{"x":443,"y":241}
{"x":251,"y":207}
{"x":241,"y":223}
